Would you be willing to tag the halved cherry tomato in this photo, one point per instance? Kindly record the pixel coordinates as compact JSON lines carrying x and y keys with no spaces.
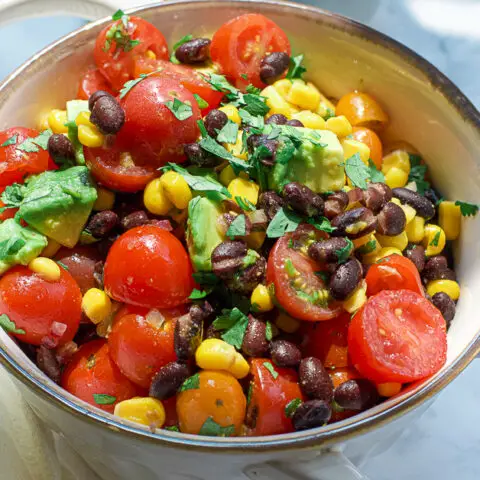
{"x":270,"y":394}
{"x":397,"y":336}
{"x":339,"y":376}
{"x":93,"y":377}
{"x":393,"y":273}
{"x":371,"y":139}
{"x":8,"y":212}
{"x":295,"y":290}
{"x":117,"y":61}
{"x":48,"y":311}
{"x":162,"y":273}
{"x":239,"y":45}
{"x":362,"y":110}
{"x":91,"y":82}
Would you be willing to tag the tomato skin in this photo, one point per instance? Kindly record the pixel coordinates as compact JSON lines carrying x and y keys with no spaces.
{"x":393,"y":273}
{"x":7,"y":213}
{"x":34,"y":305}
{"x":92,"y":371}
{"x":362,"y":110}
{"x":118,"y":66}
{"x":148,"y":267}
{"x":371,"y":139}
{"x":397,"y":336}
{"x":239,"y":45}
{"x":92,"y":81}
{"x":270,"y":396}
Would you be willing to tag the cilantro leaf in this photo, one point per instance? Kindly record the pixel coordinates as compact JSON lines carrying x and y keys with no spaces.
{"x":245,"y":204}
{"x":104,"y":399}
{"x":13,"y":195}
{"x":130,"y":84}
{"x":238,"y":228}
{"x":118,"y":15}
{"x":220,"y":83}
{"x":357,"y":171}
{"x":205,"y":278}
{"x":283,"y":222}
{"x":435,"y":239}
{"x":32,"y":145}
{"x":321,"y":223}
{"x":369,"y":247}
{"x":292,"y":406}
{"x":251,"y":120}
{"x":10,"y":326}
{"x":198,"y":294}
{"x":11,"y":246}
{"x":228,"y":134}
{"x":181,"y":110}
{"x":119,"y":34}
{"x":183,"y":40}
{"x":268,"y":331}
{"x":417,"y":173}
{"x":376,"y":176}
{"x":466,"y":209}
{"x":271,"y":369}
{"x":10,"y":141}
{"x":343,"y":254}
{"x":191,"y":383}
{"x":296,"y":69}
{"x":172,"y":428}
{"x":285,"y":151}
{"x":255,"y":105}
{"x":201,"y":102}
{"x":211,"y":146}
{"x":234,"y":322}
{"x":212,"y":429}
{"x":62,"y":265}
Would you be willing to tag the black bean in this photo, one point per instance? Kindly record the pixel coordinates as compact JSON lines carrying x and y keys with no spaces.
{"x":60,"y":148}
{"x":335,"y":204}
{"x":107,"y":114}
{"x":355,"y":196}
{"x":228,"y":257}
{"x":104,"y":245}
{"x":168,"y":380}
{"x":303,"y":200}
{"x":201,"y":312}
{"x":98,"y":274}
{"x":215,"y":120}
{"x":314,"y":380}
{"x":391,"y":220}
{"x":446,"y":306}
{"x":102,"y":223}
{"x":295,"y":123}
{"x":194,"y":51}
{"x":436,"y":268}
{"x":431,"y":195}
{"x":357,"y":394}
{"x":187,"y":336}
{"x":196,"y":155}
{"x":416,"y":253}
{"x":345,"y":279}
{"x":422,"y":206}
{"x":276,"y":119}
{"x":48,"y":363}
{"x":328,"y":251}
{"x":354,"y":223}
{"x":270,"y":203}
{"x":135,"y":219}
{"x":376,"y":196}
{"x":212,"y":332}
{"x":96,"y":96}
{"x":247,"y":279}
{"x":311,"y":414}
{"x":273,"y":65}
{"x":285,"y":354}
{"x":255,"y":342}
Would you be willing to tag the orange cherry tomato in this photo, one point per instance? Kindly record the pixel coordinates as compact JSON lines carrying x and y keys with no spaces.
{"x":373,"y":142}
{"x":218,"y":397}
{"x":91,"y":82}
{"x":362,"y":110}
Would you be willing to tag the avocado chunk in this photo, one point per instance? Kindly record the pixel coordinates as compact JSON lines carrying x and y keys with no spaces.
{"x":202,"y":233}
{"x":18,"y":245}
{"x":316,"y":164}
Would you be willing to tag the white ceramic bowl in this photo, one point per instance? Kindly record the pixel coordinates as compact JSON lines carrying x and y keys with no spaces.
{"x":426,"y":110}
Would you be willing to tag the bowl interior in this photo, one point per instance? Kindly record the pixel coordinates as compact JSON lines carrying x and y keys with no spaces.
{"x":424,"y":108}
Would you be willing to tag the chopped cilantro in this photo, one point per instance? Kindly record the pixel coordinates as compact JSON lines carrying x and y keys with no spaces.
{"x":290,"y":268}
{"x":131,"y":83}
{"x":357,"y":171}
{"x":467,"y":209}
{"x":119,"y":33}
{"x":181,"y":110}
{"x":369,"y":247}
{"x":10,"y":326}
{"x":31,"y":145}
{"x":435,"y":239}
{"x":255,"y":105}
{"x":250,"y":258}
{"x":10,"y":141}
{"x":172,"y":428}
{"x":212,"y":429}
{"x":228,"y":134}
{"x":245,"y":204}
{"x":201,"y":102}
{"x":321,"y":223}
{"x":191,"y":383}
{"x":251,"y":120}
{"x":220,"y":83}
{"x":271,"y":369}
{"x":104,"y":399}
{"x":238,"y":228}
{"x":62,"y":265}
{"x":198,"y":294}
{"x":234,"y":322}
{"x":183,"y":40}
{"x":11,"y":246}
{"x":292,"y":406}
{"x":211,"y":146}
{"x":249,"y":393}
{"x":376,"y":176}
{"x":324,"y":276}
{"x":344,"y":253}
{"x":285,"y":151}
{"x":252,"y":89}
{"x":268,"y":331}
{"x":205,"y":278}
{"x":417,"y":173}
{"x":283,"y":222}
{"x":296,"y":69}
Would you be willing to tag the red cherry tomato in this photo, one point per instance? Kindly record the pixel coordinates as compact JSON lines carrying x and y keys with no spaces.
{"x":398,"y":336}
{"x":297,"y":300}
{"x":117,"y":62}
{"x":270,"y":396}
{"x":7,"y":213}
{"x":92,"y":372}
{"x":48,"y":311}
{"x":393,"y":273}
{"x":91,"y":82}
{"x":239,"y":45}
{"x":149,"y":267}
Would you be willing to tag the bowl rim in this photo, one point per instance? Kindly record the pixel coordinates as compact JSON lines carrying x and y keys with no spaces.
{"x":323,"y":436}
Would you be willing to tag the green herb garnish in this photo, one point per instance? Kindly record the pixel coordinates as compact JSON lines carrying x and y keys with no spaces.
{"x":181,"y":110}
{"x":467,"y":209}
{"x":238,"y":228}
{"x":417,"y":173}
{"x":228,"y":134}
{"x":191,"y":383}
{"x":435,"y":239}
{"x":292,"y":406}
{"x":245,"y":204}
{"x":183,"y":40}
{"x":296,"y":69}
{"x":357,"y":171}
{"x":283,"y":222}
{"x":10,"y":141}
{"x":201,"y":102}
{"x":198,"y":294}
{"x":272,"y":370}
{"x":212,"y":429}
{"x":234,"y":322}
{"x":268,"y":331}
{"x":103,"y":399}
{"x":32,"y":145}
{"x":10,"y":326}
{"x":343,"y":254}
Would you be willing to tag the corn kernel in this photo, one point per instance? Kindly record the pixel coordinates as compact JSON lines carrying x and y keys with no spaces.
{"x":43,"y":122}
{"x":341,"y":127}
{"x":389,"y":389}
{"x":90,"y":136}
{"x":277,"y":103}
{"x":434,"y":240}
{"x":105,"y":200}
{"x":57,"y":120}
{"x":326,"y":109}
{"x":45,"y":268}
{"x":384,"y":252}
{"x":351,"y":147}
{"x":449,"y":218}
{"x":232,"y":113}
{"x":150,"y":54}
{"x":240,"y":367}
{"x":51,"y":249}
{"x":83,"y":118}
{"x":176,"y":189}
{"x":399,"y":241}
{"x":450,"y":287}
{"x":237,"y":150}
{"x":215,"y":354}
{"x":96,"y":305}
{"x":287,"y":323}
{"x":396,"y":177}
{"x":255,"y":239}
{"x":357,"y":298}
{"x":306,"y":96}
{"x":398,"y":159}
{"x":155,"y":198}
{"x":415,"y":229}
{"x":409,"y":212}
{"x":261,"y":299}
{"x":283,"y":87}
{"x":310,"y":119}
{"x":144,"y":410}
{"x":227,"y":175}
{"x":240,"y":187}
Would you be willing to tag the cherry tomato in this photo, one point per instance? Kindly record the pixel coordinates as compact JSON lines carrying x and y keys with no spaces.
{"x":339,"y":376}
{"x":397,"y":336}
{"x":149,"y":267}
{"x":393,"y":273}
{"x":327,"y":341}
{"x":362,"y":110}
{"x":289,"y":269}
{"x":151,"y":130}
{"x":270,"y":394}
{"x":218,"y":397}
{"x":239,"y":45}
{"x":91,"y":82}
{"x":7,"y":213}
{"x":116,"y":61}
{"x":48,"y":311}
{"x":91,"y":372}
{"x":15,"y":164}
{"x":371,"y":139}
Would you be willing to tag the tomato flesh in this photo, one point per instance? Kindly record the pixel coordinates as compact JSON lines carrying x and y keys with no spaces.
{"x":92,"y":81}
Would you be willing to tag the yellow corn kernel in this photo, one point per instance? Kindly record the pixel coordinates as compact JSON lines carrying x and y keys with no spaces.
{"x":283,"y":86}
{"x":240,"y":367}
{"x":434,"y":240}
{"x":215,"y":354}
{"x":240,"y":187}
{"x":351,"y":147}
{"x":398,"y":159}
{"x":57,"y":120}
{"x":450,"y":287}
{"x":304,"y":95}
{"x":357,"y":298}
{"x":232,"y":113}
{"x":310,"y":119}
{"x":287,"y":323}
{"x":90,"y":136}
{"x":340,"y":126}
{"x":397,"y":241}
{"x":384,"y":252}
{"x":261,"y":299}
{"x":45,"y":268}
{"x":326,"y":108}
{"x":449,"y":218}
{"x":83,"y":118}
{"x":389,"y":389}
{"x":255,"y":239}
{"x":370,"y":247}
{"x":144,"y":410}
{"x":176,"y":189}
{"x":227,"y":175}
{"x":409,"y":212}
{"x":51,"y":249}
{"x":150,"y":54}
{"x":358,"y":242}
{"x":105,"y":199}
{"x":96,"y":305}
{"x":237,"y":149}
{"x":415,"y":229}
{"x":396,"y":177}
{"x":43,"y":122}
{"x":155,"y":198}
{"x":277,"y":103}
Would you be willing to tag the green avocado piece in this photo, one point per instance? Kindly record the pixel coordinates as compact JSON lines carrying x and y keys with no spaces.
{"x":316,"y":166}
{"x":202,"y":233}
{"x":18,"y":245}
{"x":58,"y":203}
